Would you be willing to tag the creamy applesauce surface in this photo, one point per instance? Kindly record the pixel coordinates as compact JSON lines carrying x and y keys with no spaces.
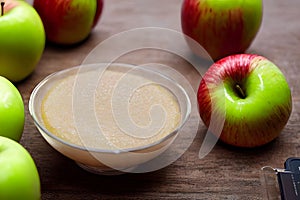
{"x":59,"y":118}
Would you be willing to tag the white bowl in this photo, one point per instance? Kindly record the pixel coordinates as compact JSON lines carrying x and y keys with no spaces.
{"x":96,"y":159}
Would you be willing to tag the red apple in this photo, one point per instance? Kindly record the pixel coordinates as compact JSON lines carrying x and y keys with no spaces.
{"x":98,"y":12}
{"x":68,"y":21}
{"x":224,"y":27}
{"x":253,"y":96}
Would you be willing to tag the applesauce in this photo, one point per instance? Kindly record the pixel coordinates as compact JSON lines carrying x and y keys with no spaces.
{"x":141,"y":111}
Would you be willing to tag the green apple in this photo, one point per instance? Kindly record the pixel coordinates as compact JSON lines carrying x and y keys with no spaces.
{"x":12,"y":116}
{"x":257,"y":102}
{"x":22,"y":40}
{"x":222,"y":27}
{"x":68,"y":22}
{"x":19,"y":178}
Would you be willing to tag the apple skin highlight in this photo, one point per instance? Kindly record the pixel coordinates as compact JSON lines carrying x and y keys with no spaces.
{"x":258,"y":117}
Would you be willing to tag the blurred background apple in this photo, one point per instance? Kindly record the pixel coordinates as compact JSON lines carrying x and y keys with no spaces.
{"x":224,"y":27}
{"x":68,"y":22}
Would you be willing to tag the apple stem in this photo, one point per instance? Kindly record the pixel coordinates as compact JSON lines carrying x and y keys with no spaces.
{"x":240,"y":91}
{"x":2,"y":7}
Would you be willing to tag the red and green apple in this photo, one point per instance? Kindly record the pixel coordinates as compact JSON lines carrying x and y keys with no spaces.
{"x":68,"y":22}
{"x":222,"y":27}
{"x":253,"y":96}
{"x":19,"y":178}
{"x":22,"y":39}
{"x":12,"y":116}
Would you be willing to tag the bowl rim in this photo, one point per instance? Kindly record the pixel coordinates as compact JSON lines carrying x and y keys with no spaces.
{"x":48,"y":78}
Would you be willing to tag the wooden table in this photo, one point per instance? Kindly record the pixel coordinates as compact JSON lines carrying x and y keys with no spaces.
{"x":225,"y":173}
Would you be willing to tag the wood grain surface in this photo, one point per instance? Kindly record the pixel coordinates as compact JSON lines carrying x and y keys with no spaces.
{"x":226,"y":172}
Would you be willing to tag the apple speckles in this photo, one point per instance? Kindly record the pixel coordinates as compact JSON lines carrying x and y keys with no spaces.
{"x":256,"y":61}
{"x":258,"y":132}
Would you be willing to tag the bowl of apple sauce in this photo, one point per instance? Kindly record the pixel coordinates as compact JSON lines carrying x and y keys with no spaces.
{"x":109,"y":118}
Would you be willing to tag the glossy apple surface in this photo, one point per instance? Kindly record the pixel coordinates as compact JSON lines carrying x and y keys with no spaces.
{"x":222,"y":27}
{"x":12,"y":116}
{"x":19,"y":178}
{"x":257,"y":102}
{"x":68,"y":22}
{"x":22,"y":40}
